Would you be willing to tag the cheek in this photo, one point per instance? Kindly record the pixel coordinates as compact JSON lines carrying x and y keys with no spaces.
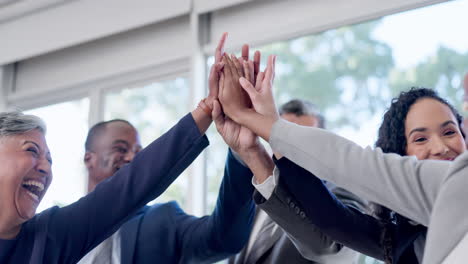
{"x":421,"y":152}
{"x":9,"y":185}
{"x":458,"y":144}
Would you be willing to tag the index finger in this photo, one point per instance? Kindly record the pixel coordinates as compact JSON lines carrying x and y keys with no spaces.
{"x":220,"y":48}
{"x":245,"y":52}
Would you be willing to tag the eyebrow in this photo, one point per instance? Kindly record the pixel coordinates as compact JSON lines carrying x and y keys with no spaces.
{"x":32,"y":142}
{"x":446,"y":123}
{"x":422,"y":129}
{"x":120,"y":141}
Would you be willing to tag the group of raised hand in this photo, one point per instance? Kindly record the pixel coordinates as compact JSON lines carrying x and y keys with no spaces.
{"x":240,"y":100}
{"x":240,"y":97}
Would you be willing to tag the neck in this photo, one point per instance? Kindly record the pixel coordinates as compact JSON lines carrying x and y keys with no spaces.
{"x":8,"y":230}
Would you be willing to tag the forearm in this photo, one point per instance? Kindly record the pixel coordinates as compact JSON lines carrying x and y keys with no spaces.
{"x":260,"y":163}
{"x":401,"y":183}
{"x":338,"y":220}
{"x":260,"y":125}
{"x":226,"y":231}
{"x":309,"y":240}
{"x":87,"y":222}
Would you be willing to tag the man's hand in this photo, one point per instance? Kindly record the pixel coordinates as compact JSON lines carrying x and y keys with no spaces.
{"x":241,"y":139}
{"x":231,"y":94}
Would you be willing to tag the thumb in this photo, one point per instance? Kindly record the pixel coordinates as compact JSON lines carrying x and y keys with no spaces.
{"x":248,"y":87}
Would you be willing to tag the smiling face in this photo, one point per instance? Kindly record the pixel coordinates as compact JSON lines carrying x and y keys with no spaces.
{"x":116,"y":146}
{"x":25,"y":175}
{"x":432,"y":131}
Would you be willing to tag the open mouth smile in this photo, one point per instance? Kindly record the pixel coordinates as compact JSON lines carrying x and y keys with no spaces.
{"x":34,"y":189}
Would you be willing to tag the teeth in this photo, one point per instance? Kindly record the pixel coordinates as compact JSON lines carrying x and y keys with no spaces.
{"x":35,"y":197}
{"x":35,"y":183}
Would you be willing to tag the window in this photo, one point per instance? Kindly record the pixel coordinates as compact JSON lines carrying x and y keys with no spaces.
{"x":67,"y":126}
{"x":153,"y":109}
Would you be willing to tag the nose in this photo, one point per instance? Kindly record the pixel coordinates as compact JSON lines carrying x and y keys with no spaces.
{"x":43,"y":166}
{"x":438,"y":147}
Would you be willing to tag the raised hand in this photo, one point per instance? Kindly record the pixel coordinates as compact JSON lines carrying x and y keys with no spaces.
{"x":202,"y":114}
{"x":261,"y":94}
{"x":213,"y":79}
{"x":243,"y":141}
{"x":254,"y":66}
{"x":231,"y":94}
{"x":239,"y":138}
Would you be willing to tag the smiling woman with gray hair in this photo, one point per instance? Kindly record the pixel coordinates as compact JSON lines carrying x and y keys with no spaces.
{"x":65,"y":235}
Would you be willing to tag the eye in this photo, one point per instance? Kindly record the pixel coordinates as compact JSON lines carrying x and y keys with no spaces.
{"x":420,"y":139}
{"x":449,"y":133}
{"x":121,"y":150}
{"x":33,"y":150}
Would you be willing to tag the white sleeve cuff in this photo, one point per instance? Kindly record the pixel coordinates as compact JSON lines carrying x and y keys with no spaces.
{"x":268,"y":186}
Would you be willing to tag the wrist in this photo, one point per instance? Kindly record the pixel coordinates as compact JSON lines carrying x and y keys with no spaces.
{"x":259,"y":161}
{"x":206,"y":106}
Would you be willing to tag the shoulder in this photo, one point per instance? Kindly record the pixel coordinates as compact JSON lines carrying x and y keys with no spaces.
{"x":169,"y":209}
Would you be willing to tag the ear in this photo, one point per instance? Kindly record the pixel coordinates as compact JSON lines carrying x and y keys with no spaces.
{"x":89,"y":159}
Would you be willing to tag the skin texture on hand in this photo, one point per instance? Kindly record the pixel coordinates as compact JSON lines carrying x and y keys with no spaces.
{"x":243,"y":141}
{"x":213,"y":79}
{"x":203,"y":120}
{"x":260,"y":119}
{"x":231,"y":94}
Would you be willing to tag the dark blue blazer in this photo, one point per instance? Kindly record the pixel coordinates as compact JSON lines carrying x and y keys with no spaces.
{"x":164,"y":233}
{"x":65,"y":235}
{"x":343,"y":223}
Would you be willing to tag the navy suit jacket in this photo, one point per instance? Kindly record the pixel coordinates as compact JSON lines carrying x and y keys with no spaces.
{"x":164,"y":233}
{"x":343,"y":223}
{"x":65,"y":235}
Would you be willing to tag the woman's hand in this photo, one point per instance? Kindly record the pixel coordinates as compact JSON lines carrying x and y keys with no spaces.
{"x":261,"y":94}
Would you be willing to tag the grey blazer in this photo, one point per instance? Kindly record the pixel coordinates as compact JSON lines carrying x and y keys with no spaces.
{"x":286,"y":247}
{"x":432,"y":193}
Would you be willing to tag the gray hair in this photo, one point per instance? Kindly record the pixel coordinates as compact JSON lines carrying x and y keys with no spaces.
{"x":301,"y":107}
{"x":14,"y":123}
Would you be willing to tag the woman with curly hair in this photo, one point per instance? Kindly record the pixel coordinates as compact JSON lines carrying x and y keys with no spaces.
{"x":419,"y":125}
{"x":410,"y":127}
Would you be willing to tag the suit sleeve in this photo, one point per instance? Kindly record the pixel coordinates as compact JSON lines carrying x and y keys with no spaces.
{"x":82,"y":225}
{"x":403,"y":184}
{"x":227,"y":229}
{"x":332,"y":219}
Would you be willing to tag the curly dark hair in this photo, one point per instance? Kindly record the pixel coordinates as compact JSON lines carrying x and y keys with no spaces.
{"x":391,"y":139}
